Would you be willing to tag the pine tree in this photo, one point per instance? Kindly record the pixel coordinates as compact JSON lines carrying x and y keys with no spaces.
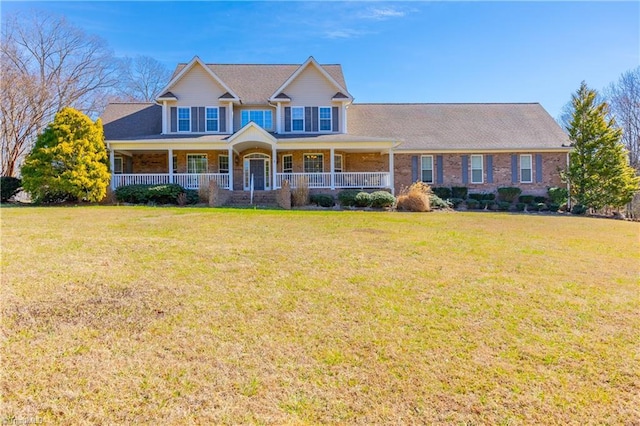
{"x":599,"y":171}
{"x":68,"y":161}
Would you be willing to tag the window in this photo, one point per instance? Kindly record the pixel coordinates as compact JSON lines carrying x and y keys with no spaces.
{"x":223,"y":164}
{"x":313,"y":163}
{"x":325,"y":119}
{"x":117,"y":165}
{"x":526,"y":172}
{"x":211,"y":118}
{"x":427,"y":169}
{"x":297,"y":119}
{"x":197,"y":163}
{"x":337,"y":163}
{"x":263,"y":118}
{"x":184,"y":119}
{"x":476,"y":169}
{"x":287,"y":163}
{"x":174,"y":164}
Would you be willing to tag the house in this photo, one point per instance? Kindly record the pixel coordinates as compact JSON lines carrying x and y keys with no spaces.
{"x":255,"y":126}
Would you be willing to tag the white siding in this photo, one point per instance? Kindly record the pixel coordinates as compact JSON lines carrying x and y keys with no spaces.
{"x":197,"y":88}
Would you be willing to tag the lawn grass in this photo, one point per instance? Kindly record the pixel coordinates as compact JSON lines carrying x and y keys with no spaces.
{"x":141,"y":315}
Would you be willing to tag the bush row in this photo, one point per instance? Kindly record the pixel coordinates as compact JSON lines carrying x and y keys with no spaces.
{"x":157,"y":194}
{"x":9,"y":186}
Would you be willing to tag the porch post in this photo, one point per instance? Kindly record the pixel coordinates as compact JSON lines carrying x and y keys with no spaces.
{"x":333,"y":169}
{"x":164,"y":117}
{"x":170,"y":161}
{"x":112,"y":166}
{"x":231,"y":164}
{"x":278,"y":118}
{"x":274,"y":161}
{"x":231,"y":118}
{"x":391,"y":178}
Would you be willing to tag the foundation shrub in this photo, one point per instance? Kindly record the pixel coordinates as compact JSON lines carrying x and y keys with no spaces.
{"x":508,"y":193}
{"x":541,"y":207}
{"x":381,"y":199}
{"x":504,"y":206}
{"x":347,"y":198}
{"x":539,"y":199}
{"x":9,"y":186}
{"x":459,"y":192}
{"x":455,"y":202}
{"x":300,"y":194}
{"x":415,"y":198}
{"x":438,"y":203}
{"x":322,"y":200}
{"x":483,"y":196}
{"x":553,"y":207}
{"x":203,"y":190}
{"x":442,"y":192}
{"x":473,"y":204}
{"x":520,"y":206}
{"x":363,"y":199}
{"x":486,"y":204}
{"x":578,"y":209}
{"x":558,"y":195}
{"x":527,"y":199}
{"x":156,"y":194}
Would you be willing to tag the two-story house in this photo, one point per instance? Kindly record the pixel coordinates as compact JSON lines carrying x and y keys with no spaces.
{"x":255,"y":126}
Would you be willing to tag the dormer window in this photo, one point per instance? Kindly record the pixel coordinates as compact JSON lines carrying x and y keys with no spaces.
{"x":184,"y":119}
{"x":297,"y":119}
{"x":263,"y":118}
{"x":325,"y":119}
{"x":212,"y":119}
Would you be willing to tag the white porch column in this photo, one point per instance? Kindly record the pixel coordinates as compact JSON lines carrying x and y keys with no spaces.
{"x":274,"y":161}
{"x":170,"y":161}
{"x":112,"y":167}
{"x":391,"y":178}
{"x":333,"y":169}
{"x":164,"y":117}
{"x":344,"y":118}
{"x":230,"y":126}
{"x":279,"y":118}
{"x":231,"y":164}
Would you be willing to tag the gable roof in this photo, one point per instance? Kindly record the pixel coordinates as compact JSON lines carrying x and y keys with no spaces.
{"x":127,"y":120}
{"x":183,"y":71}
{"x":443,"y":127}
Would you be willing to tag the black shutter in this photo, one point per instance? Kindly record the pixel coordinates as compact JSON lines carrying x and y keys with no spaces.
{"x":307,"y":119}
{"x":222,"y":117}
{"x":414,"y":168}
{"x":314,"y":119}
{"x":287,"y":119}
{"x":335,"y":111}
{"x":194,"y":119}
{"x":439,"y":170}
{"x":489,"y":168}
{"x":174,"y":119}
{"x":465,"y":169}
{"x":538,"y":168}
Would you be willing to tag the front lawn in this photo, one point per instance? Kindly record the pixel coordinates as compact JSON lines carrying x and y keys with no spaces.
{"x":134,"y":315}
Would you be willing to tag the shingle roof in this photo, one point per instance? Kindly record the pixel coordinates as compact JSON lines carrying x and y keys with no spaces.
{"x":167,"y":95}
{"x":458,"y":126}
{"x":129,"y":120}
{"x":264,"y":78}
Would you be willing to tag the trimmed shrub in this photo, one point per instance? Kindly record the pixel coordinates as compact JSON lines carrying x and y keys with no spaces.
{"x":455,"y":202}
{"x":415,"y":198}
{"x":508,"y":193}
{"x":473,"y":204}
{"x":476,"y":196}
{"x":442,"y":192}
{"x":504,"y":205}
{"x":553,"y":207}
{"x":541,"y":207}
{"x":347,"y":198}
{"x":363,"y":199}
{"x":380,"y":199}
{"x":9,"y":186}
{"x":438,"y":203}
{"x":527,"y":199}
{"x":578,"y":209}
{"x":483,"y":196}
{"x":322,"y":200}
{"x":539,"y":199}
{"x":520,"y":207}
{"x":558,"y":195}
{"x":459,"y":192}
{"x":486,"y":204}
{"x":143,"y":194}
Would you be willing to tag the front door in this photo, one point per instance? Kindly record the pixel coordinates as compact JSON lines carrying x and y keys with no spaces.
{"x":256,"y":168}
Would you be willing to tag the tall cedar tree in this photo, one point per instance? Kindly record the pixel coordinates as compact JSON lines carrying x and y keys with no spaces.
{"x":69,"y":160}
{"x":599,"y":171}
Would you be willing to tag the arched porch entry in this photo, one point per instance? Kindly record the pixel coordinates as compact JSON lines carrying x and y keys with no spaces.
{"x":257,"y":167}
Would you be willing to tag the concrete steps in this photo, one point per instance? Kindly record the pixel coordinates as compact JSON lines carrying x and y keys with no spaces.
{"x":260,"y":198}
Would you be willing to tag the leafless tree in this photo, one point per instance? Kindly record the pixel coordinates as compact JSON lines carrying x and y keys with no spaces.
{"x":141,"y":79}
{"x":46,"y":64}
{"x":624,"y":100}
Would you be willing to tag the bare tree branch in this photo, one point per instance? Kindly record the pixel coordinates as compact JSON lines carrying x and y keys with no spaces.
{"x":624,"y":100}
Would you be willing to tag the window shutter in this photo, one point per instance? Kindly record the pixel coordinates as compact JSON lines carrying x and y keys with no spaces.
{"x":514,"y":168}
{"x":414,"y":168}
{"x":439,"y":170}
{"x":194,"y":119}
{"x":465,"y":169}
{"x":489,"y":168}
{"x":335,"y":112}
{"x":174,"y":119}
{"x":201,"y":120}
{"x":222,"y":118}
{"x":287,"y":119}
{"x":314,"y":119}
{"x":538,"y":168}
{"x":307,"y":119}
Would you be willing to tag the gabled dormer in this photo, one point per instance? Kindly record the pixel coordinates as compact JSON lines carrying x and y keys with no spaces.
{"x":196,"y":100}
{"x":311,"y":101}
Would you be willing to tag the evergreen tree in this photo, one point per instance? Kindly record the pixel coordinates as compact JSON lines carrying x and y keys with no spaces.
{"x":599,"y":171}
{"x":68,"y":161}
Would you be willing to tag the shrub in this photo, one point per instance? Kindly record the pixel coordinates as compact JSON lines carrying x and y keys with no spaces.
{"x":438,"y":203}
{"x":300,"y":194}
{"x":508,"y":193}
{"x":442,"y":192}
{"x":539,"y":199}
{"x":541,"y":207}
{"x":578,"y":209}
{"x":486,"y":204}
{"x":473,"y":204}
{"x":520,"y":206}
{"x":143,"y":194}
{"x":483,"y":196}
{"x":347,"y":198}
{"x":203,"y":190}
{"x":362,"y":199}
{"x":322,"y":200}
{"x":380,"y":199}
{"x":527,"y":199}
{"x":504,"y":205}
{"x":459,"y":192}
{"x":553,"y":207}
{"x":9,"y":186}
{"x":415,"y":198}
{"x":455,"y":202}
{"x":476,"y":196}
{"x":558,"y":195}
{"x":192,"y":196}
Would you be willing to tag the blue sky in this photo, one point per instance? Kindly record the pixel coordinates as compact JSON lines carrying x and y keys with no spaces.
{"x":390,"y":51}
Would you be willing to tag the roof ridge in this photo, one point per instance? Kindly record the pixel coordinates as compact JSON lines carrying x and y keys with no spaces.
{"x":292,"y":65}
{"x":131,"y":103}
{"x":446,"y":103}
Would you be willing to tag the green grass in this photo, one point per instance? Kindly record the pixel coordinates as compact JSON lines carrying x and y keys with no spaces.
{"x":182,"y":315}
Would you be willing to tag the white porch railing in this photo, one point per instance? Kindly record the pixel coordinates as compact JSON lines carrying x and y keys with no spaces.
{"x":342,"y":179}
{"x":186,"y":180}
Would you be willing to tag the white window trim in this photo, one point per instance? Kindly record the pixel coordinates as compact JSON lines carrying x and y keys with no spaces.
{"x":263,"y":111}
{"x":432,"y":167}
{"x":115,"y":169}
{"x":188,"y":108}
{"x":191,"y":154}
{"x":283,"y":157}
{"x":228,"y":163}
{"x":303,"y":119}
{"x":481,"y":168}
{"x":312,"y":153}
{"x":330,"y":120}
{"x":530,"y":168}
{"x":205,"y":119}
{"x":335,"y":169}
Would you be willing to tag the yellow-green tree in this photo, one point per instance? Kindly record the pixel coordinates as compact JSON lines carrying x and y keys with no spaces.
{"x":68,"y":161}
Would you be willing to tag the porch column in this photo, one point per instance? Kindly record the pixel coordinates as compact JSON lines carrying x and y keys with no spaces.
{"x":112,"y":167}
{"x":274,"y":161}
{"x":391,"y":179}
{"x":278,"y":118}
{"x":170,"y":161}
{"x":231,"y":118}
{"x":164,"y":117}
{"x":333,"y":169}
{"x":231,"y":164}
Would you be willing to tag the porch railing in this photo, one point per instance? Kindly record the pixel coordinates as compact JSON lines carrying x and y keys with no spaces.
{"x":187,"y":180}
{"x":314,"y":180}
{"x":341,"y":179}
{"x":139,"y":179}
